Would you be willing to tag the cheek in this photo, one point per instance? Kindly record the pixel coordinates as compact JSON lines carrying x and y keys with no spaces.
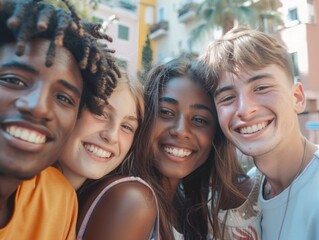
{"x":206,"y":147}
{"x":66,"y":123}
{"x":158,"y":128}
{"x":206,"y":141}
{"x":126,"y":144}
{"x":69,"y":148}
{"x":224,"y":117}
{"x":224,"y":112}
{"x":155,"y":134}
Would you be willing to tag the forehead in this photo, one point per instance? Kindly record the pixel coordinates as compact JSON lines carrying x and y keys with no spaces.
{"x":36,"y":49}
{"x":65,"y":66}
{"x":122,"y":101}
{"x":185,"y":90}
{"x":271,"y":74}
{"x":247,"y":73}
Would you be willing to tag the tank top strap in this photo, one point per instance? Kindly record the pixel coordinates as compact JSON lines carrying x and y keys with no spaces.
{"x":155,"y":233}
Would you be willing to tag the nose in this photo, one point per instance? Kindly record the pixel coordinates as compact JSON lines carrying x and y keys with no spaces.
{"x":246,"y":106}
{"x":36,"y":103}
{"x":110,"y":134}
{"x":181,"y":127}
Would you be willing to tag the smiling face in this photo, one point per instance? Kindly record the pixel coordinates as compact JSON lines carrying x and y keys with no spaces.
{"x":183,"y":133}
{"x":257,"y":110}
{"x":99,"y":144}
{"x":38,"y":109}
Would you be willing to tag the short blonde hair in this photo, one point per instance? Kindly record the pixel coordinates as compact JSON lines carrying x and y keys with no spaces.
{"x":245,"y":49}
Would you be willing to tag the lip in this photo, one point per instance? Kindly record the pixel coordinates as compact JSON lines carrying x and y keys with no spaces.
{"x":95,"y":157}
{"x":21,"y":144}
{"x":29,"y":124}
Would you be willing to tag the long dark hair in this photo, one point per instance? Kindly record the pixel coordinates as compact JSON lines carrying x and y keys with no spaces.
{"x":219,"y":173}
{"x":191,"y":201}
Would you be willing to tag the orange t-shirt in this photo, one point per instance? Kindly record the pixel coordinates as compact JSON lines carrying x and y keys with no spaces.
{"x":45,"y":209}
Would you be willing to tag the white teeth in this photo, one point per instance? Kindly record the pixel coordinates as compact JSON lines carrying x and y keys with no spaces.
{"x":99,"y":152}
{"x":253,"y":128}
{"x":178,"y":152}
{"x":26,"y":134}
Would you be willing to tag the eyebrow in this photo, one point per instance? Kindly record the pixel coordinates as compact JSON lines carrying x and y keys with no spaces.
{"x":201,"y":107}
{"x":194,"y":106}
{"x":250,"y":80}
{"x":22,"y":66}
{"x":168,"y":100}
{"x":30,"y":69}
{"x":71,"y":87}
{"x":112,"y":110}
{"x":223,"y":89}
{"x":132,"y":118}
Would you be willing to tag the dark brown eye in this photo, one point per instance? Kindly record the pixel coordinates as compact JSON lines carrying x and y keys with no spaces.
{"x":13,"y":81}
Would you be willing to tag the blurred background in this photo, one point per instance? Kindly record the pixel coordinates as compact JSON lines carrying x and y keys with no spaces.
{"x":148,"y":32}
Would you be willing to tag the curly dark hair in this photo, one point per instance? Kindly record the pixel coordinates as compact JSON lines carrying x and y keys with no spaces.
{"x":24,"y":20}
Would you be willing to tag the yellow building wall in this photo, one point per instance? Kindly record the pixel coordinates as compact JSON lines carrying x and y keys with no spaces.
{"x":144,"y":28}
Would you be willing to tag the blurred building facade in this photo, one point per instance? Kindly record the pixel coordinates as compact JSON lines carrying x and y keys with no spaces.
{"x":300,"y":33}
{"x":120,"y":20}
{"x":176,"y":19}
{"x":170,"y":24}
{"x":171,"y":33}
{"x":147,"y":15}
{"x":128,"y":23}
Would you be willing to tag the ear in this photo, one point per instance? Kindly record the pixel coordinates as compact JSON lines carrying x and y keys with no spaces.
{"x":299,"y":98}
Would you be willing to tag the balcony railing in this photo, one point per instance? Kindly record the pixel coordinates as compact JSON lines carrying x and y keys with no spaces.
{"x":158,"y":30}
{"x":187,"y":12}
{"x":124,"y":4}
{"x":128,"y":5}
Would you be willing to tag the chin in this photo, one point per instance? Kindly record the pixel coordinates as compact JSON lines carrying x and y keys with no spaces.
{"x":24,"y":176}
{"x":95,"y":176}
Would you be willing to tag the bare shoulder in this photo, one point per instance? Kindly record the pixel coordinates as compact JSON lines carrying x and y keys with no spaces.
{"x":132,"y":194}
{"x":127,"y":210}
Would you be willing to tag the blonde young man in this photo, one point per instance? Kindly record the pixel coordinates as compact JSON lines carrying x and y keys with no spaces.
{"x":258,"y":103}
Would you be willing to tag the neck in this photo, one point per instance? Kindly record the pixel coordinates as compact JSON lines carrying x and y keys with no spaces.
{"x":282,"y":175}
{"x":74,"y":179}
{"x":8,"y":188}
{"x":170,"y":187}
{"x":281,"y":163}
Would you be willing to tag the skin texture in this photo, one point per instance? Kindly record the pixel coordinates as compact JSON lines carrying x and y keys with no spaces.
{"x":184,"y":131}
{"x":43,"y":101}
{"x":126,"y":211}
{"x":113,"y":132}
{"x":266,"y":98}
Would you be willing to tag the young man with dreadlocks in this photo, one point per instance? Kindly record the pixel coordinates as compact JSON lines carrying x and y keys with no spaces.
{"x":51,"y":65}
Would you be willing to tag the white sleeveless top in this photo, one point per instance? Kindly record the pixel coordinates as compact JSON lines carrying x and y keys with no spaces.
{"x":177,"y":235}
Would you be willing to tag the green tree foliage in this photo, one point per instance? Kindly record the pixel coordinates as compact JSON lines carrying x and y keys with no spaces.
{"x":268,"y":17}
{"x":147,"y":59}
{"x":147,"y":55}
{"x":224,"y":14}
